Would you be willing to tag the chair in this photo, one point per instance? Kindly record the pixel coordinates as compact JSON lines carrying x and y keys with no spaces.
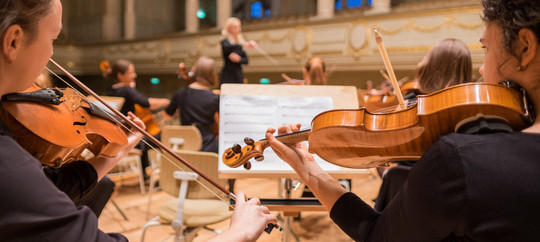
{"x":177,"y":137}
{"x":191,"y":135}
{"x":128,"y":166}
{"x":195,"y":206}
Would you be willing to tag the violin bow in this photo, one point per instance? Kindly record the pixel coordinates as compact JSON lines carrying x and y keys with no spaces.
{"x":146,"y":134}
{"x":262,"y":52}
{"x":389,"y":69}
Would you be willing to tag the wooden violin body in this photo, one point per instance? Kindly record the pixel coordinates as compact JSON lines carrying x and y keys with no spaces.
{"x":360,"y":139}
{"x":58,"y":134}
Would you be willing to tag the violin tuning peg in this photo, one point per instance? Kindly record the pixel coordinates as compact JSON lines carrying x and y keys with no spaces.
{"x":247,"y":165}
{"x":229,"y":153}
{"x":259,"y":158}
{"x":236,"y":148}
{"x":249,"y":141}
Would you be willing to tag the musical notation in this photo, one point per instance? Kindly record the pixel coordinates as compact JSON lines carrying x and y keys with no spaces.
{"x":251,"y":116}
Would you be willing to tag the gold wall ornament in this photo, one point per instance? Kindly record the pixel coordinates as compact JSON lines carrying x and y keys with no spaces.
{"x":358,"y":37}
{"x":447,"y":22}
{"x":265,"y":37}
{"x":163,"y":52}
{"x":300,"y":42}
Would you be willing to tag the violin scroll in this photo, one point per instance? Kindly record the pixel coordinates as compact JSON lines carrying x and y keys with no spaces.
{"x":236,"y":156}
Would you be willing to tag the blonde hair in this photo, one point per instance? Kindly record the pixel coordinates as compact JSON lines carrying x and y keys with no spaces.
{"x":315,"y":69}
{"x":204,"y":71}
{"x":225,"y":31}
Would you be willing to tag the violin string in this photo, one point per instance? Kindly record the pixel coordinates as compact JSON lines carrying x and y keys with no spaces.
{"x":393,"y":107}
{"x":160,"y":153}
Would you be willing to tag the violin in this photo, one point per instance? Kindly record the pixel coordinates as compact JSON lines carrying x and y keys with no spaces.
{"x":56,"y":99}
{"x":56,"y":126}
{"x":357,"y":138}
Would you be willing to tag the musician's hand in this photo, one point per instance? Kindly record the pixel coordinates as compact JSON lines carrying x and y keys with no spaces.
{"x":136,"y":120}
{"x":235,"y":57}
{"x":248,"y":220}
{"x":295,"y":154}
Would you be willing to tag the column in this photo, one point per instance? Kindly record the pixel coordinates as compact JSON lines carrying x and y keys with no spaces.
{"x":224,"y":9}
{"x":325,"y":9}
{"x":111,"y":24}
{"x":379,"y":6}
{"x":129,"y":20}
{"x":192,"y":22}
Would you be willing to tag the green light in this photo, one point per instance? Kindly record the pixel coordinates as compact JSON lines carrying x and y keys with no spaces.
{"x":264,"y":81}
{"x":154,"y":80}
{"x":201,"y":14}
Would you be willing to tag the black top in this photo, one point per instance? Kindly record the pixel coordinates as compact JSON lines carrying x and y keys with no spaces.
{"x":232,"y":71}
{"x":197,"y":107}
{"x":131,"y":97}
{"x":465,"y":187}
{"x":32,"y":208}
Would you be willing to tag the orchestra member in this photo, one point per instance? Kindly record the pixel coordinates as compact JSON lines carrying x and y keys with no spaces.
{"x":232,"y":48}
{"x":479,"y":187}
{"x":32,"y":207}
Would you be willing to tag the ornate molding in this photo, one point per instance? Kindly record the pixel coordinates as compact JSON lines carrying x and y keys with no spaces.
{"x":300,"y":42}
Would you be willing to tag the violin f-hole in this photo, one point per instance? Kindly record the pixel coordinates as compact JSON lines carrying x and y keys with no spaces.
{"x":83,"y":123}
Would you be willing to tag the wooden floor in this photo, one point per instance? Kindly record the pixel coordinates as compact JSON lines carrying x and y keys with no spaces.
{"x":312,"y":226}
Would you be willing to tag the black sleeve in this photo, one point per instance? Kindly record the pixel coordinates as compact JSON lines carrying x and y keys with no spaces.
{"x":34,"y":209}
{"x":137,"y":98}
{"x":243,"y":57}
{"x":175,"y":103}
{"x":430,"y":206}
{"x":75,"y":179}
{"x":229,"y":48}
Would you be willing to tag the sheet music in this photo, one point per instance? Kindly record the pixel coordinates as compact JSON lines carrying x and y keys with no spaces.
{"x":251,"y":116}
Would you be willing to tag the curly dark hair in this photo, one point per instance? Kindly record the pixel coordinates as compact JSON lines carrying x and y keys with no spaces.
{"x":511,"y":16}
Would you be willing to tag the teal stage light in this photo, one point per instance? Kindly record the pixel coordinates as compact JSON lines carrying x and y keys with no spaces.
{"x":201,"y":14}
{"x":154,"y":80}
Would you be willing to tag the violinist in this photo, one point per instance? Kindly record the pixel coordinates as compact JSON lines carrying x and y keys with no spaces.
{"x":314,"y":71}
{"x":448,"y":63}
{"x":122,"y":72}
{"x":197,"y":104}
{"x":481,"y":187}
{"x":32,"y":207}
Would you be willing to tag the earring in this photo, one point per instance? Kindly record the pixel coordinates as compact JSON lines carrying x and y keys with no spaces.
{"x":519,"y":68}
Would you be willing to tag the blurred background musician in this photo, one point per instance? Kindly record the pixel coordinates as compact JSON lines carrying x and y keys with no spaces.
{"x":122,"y":73}
{"x":232,"y":48}
{"x":448,"y":63}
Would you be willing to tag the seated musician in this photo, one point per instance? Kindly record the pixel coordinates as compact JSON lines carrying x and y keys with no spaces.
{"x":465,"y":187}
{"x":197,"y":104}
{"x":32,"y":207}
{"x":448,"y":63}
{"x":122,"y":73}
